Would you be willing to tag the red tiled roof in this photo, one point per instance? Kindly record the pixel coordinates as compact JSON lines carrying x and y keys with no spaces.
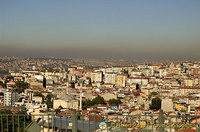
{"x":186,"y":130}
{"x":85,"y":70}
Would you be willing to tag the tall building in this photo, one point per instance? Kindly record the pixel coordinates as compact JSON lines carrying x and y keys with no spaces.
{"x":97,"y":76}
{"x":110,"y":77}
{"x":10,"y":97}
{"x":121,"y":80}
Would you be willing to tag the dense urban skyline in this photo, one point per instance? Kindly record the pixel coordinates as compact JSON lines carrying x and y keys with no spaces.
{"x":100,"y":29}
{"x":147,"y":93}
{"x":106,"y":65}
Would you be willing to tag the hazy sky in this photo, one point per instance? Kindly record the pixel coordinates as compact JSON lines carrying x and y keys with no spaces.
{"x":150,"y":29}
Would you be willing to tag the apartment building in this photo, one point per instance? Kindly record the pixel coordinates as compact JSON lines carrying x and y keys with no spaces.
{"x":10,"y":97}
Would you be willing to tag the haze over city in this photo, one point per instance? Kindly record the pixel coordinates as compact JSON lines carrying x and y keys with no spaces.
{"x":99,"y":65}
{"x":100,"y":29}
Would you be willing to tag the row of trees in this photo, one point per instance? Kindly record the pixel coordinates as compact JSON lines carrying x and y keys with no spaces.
{"x":19,"y":85}
{"x":2,"y":84}
{"x":88,"y":103}
{"x":155,"y":104}
{"x":99,"y":100}
{"x":114,"y":101}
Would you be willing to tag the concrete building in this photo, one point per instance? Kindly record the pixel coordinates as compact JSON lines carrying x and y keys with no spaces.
{"x":138,"y":80}
{"x":121,"y":80}
{"x":110,"y":77}
{"x":65,"y":104}
{"x":188,"y":82}
{"x":167,"y":105}
{"x":97,"y":76}
{"x":10,"y":97}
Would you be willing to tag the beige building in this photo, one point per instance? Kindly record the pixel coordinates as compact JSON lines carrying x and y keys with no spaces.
{"x":110,"y":77}
{"x":188,"y":82}
{"x":97,"y":76}
{"x":65,"y":104}
{"x":59,"y":92}
{"x":36,"y":84}
{"x":167,"y":105}
{"x":121,"y":80}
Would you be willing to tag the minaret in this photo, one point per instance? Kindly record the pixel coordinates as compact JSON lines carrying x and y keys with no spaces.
{"x":80,"y":99}
{"x":187,"y":101}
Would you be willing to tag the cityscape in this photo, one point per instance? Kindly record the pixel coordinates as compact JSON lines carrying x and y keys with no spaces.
{"x":99,"y":66}
{"x":44,"y":86}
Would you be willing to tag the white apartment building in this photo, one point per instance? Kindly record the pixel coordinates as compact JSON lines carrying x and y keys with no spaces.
{"x":147,"y":72}
{"x":10,"y":97}
{"x":117,"y":69}
{"x":110,"y":77}
{"x":162,"y":72}
{"x":97,"y":76}
{"x":121,"y":80}
{"x":139,"y":80}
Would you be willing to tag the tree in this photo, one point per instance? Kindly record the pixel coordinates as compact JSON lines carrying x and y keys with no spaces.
{"x":49,"y":104}
{"x":38,"y":94}
{"x":142,"y":105}
{"x":88,"y":103}
{"x":137,"y":86}
{"x":21,"y":86}
{"x":134,"y":69}
{"x":153,"y":93}
{"x":155,"y":103}
{"x":48,"y":101}
{"x":57,"y":111}
{"x":2,"y":84}
{"x":137,"y":94}
{"x":49,"y":96}
{"x":114,"y":101}
{"x":98,"y":100}
{"x":1,"y":94}
{"x":142,"y":74}
{"x":125,"y":71}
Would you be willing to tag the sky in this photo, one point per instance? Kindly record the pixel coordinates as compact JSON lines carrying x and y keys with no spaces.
{"x":137,"y":29}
